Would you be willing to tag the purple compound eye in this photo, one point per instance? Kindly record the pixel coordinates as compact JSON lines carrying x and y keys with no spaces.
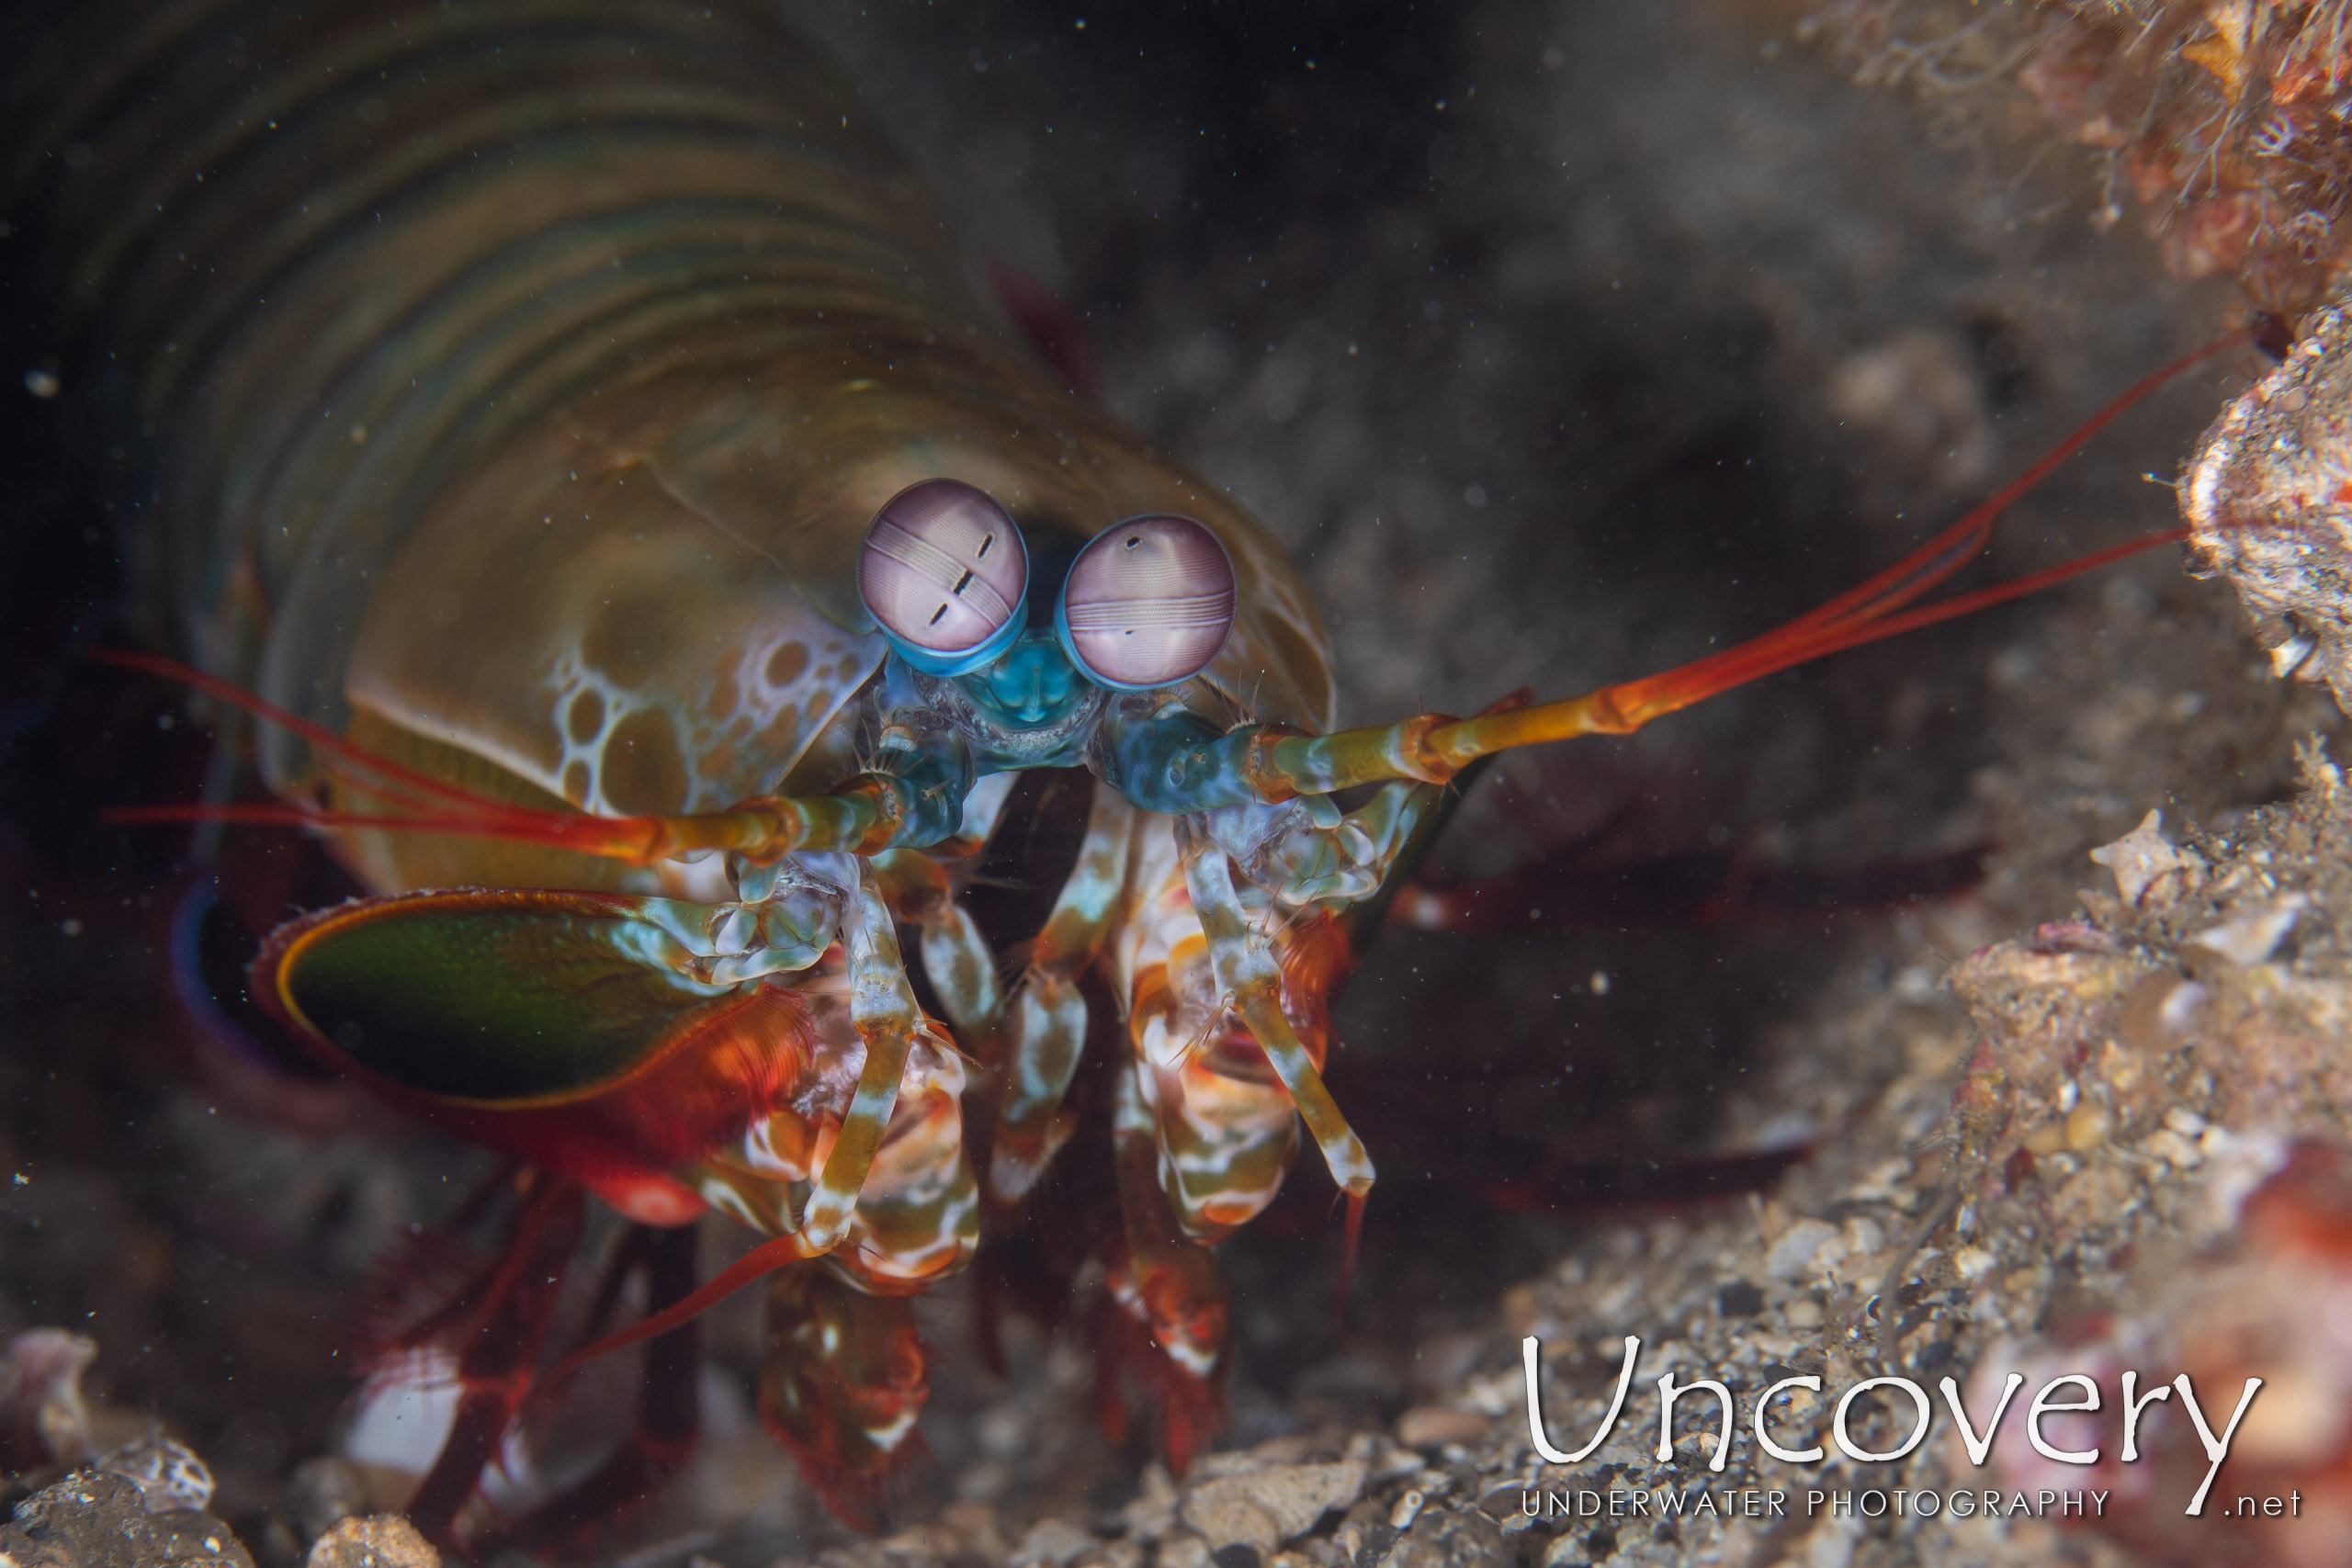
{"x":1148,"y":604}
{"x":945,"y":572}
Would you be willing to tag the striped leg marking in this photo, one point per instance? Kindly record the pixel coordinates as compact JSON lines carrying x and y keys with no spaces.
{"x":1224,"y":1126}
{"x":1340,"y":858}
{"x":955,"y":957}
{"x":1247,"y":970}
{"x":882,"y":1006}
{"x":1046,"y":1025}
{"x":1176,"y":1287}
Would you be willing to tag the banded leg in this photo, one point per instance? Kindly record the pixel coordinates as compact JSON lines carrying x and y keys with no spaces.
{"x":918,"y":1218}
{"x":1169,"y":1319}
{"x":1224,"y":1124}
{"x":962,"y":971}
{"x":1226,"y":1133}
{"x":882,"y":1007}
{"x":955,"y":957}
{"x":841,"y":1384}
{"x":918,"y":1215}
{"x":1319,"y":854}
{"x":883,"y":1012}
{"x":1046,"y":1024}
{"x":1178,"y":1287}
{"x":904,"y":1201}
{"x":1248,"y":972}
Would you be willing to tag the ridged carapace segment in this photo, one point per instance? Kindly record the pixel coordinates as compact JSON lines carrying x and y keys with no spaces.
{"x":525,"y":374}
{"x":840,"y":1383}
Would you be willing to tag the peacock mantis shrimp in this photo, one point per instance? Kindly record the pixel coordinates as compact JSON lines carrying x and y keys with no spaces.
{"x":652,"y":570}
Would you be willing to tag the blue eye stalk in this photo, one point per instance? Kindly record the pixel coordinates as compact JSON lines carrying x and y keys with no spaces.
{"x":946,"y":575}
{"x":1031,"y":685}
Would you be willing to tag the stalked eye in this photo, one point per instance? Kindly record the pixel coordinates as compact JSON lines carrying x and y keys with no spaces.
{"x":1148,"y":604}
{"x":945,"y":571}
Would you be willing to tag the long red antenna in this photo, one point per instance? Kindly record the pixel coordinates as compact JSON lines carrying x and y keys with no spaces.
{"x":420,"y":802}
{"x":1867,"y":611}
{"x":357,"y":757}
{"x":1433,"y":746}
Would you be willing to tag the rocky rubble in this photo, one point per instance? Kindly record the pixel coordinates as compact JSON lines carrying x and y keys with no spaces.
{"x":96,"y":1519}
{"x":2268,"y":496}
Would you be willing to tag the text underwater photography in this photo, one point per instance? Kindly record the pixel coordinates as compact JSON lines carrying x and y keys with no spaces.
{"x":2070,"y":1398}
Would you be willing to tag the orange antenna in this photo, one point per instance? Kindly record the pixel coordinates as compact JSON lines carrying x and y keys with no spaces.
{"x":423,"y":804}
{"x":1434,"y":747}
{"x":1869,"y":611}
